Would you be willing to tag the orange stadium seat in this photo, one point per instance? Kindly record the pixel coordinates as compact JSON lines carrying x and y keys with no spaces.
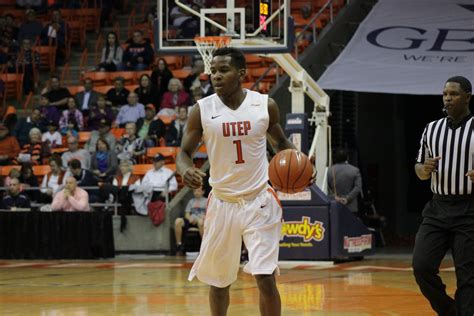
{"x":181,"y":74}
{"x":83,"y":137}
{"x":73,"y":90}
{"x":99,"y":78}
{"x":103,"y":89}
{"x":128,"y":76}
{"x":47,"y":57}
{"x":141,"y":169}
{"x":168,"y":152}
{"x":5,"y":170}
{"x":117,"y":132}
{"x":41,"y":170}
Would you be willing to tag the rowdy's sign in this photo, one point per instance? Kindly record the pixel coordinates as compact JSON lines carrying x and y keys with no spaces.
{"x":303,"y":229}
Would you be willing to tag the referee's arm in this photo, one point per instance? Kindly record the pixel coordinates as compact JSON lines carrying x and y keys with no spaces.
{"x":425,"y":164}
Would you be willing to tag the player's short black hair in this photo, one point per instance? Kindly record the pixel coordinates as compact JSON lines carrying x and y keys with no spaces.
{"x":463,"y":82}
{"x":339,"y":155}
{"x":237,"y":57}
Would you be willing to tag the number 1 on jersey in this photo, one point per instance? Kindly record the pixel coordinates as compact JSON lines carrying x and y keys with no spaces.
{"x":240,"y":158}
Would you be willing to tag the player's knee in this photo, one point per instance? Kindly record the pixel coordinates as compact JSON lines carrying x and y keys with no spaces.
{"x":266,"y":284}
{"x":220,"y":291}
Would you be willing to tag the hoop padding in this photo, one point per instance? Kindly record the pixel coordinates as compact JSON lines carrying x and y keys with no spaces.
{"x":207,"y":45}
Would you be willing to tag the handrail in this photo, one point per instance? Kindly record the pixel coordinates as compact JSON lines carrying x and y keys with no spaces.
{"x":312,"y":23}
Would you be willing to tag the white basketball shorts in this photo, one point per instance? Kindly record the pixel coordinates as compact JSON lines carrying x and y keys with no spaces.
{"x":257,"y":221}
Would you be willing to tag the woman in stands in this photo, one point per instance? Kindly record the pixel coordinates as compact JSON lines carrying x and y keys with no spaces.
{"x":147,"y":91}
{"x":112,"y":54}
{"x":35,"y":151}
{"x":161,"y":76}
{"x":53,"y":181}
{"x":104,"y":161}
{"x":72,"y":114}
{"x":175,"y":97}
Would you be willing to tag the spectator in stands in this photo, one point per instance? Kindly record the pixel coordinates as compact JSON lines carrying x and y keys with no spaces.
{"x":9,"y":29}
{"x":139,"y":54}
{"x":55,"y":33}
{"x":192,"y":80}
{"x":29,"y":180}
{"x":158,"y":178}
{"x":88,"y":98}
{"x":24,"y":125}
{"x":52,"y":137}
{"x":130,"y":146}
{"x":161,"y":76}
{"x":117,"y":96}
{"x":9,"y":147}
{"x":122,"y":187}
{"x":112,"y":54}
{"x":35,"y":151}
{"x":56,"y":94}
{"x":70,"y":116}
{"x":14,"y":173}
{"x":180,"y":122}
{"x":103,"y":132}
{"x":100,"y":112}
{"x":104,"y":161}
{"x":53,"y":181}
{"x":84,"y":177}
{"x":48,"y":111}
{"x":344,"y":181}
{"x":178,"y":16}
{"x":27,"y":61}
{"x":30,"y":28}
{"x":75,"y":153}
{"x":130,"y":112}
{"x":171,"y":135}
{"x":193,"y":217}
{"x":175,"y":97}
{"x":151,"y":130}
{"x":14,"y":198}
{"x":197,"y":94}
{"x":147,"y":92}
{"x":71,"y":198}
{"x":205,"y":85}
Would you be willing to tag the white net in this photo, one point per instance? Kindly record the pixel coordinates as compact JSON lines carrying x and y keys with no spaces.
{"x":206,"y":46}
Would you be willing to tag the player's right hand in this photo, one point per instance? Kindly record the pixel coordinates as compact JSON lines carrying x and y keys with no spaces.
{"x":431,"y":164}
{"x":193,"y":178}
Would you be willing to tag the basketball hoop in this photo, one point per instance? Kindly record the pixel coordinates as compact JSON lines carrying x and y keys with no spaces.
{"x":207,"y":45}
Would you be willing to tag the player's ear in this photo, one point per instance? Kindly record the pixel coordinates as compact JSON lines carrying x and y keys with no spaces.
{"x":242,"y":74}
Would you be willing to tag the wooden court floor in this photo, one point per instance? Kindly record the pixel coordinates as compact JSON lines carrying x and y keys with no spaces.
{"x":382,"y":285}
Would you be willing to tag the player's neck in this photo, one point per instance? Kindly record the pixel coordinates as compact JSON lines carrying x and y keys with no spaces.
{"x":233,"y":100}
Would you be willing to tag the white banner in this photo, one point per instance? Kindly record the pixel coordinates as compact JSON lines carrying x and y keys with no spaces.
{"x":407,"y":47}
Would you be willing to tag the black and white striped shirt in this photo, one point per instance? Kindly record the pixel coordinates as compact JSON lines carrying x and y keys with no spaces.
{"x":455,"y":146}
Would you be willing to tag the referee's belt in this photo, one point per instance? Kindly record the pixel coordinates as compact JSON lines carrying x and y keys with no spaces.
{"x":452,"y":197}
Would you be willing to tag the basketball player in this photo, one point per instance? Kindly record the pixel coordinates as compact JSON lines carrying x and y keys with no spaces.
{"x":234,"y":124}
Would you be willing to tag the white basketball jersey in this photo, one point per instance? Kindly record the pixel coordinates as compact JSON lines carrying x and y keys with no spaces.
{"x":236,"y":144}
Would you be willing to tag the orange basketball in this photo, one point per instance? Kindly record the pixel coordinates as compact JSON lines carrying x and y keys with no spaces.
{"x":290,"y":171}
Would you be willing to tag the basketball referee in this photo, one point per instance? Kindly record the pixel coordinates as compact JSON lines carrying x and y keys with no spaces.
{"x":446,"y":157}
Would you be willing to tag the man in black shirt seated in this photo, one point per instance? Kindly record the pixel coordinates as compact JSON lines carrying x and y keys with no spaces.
{"x":84,"y":178}
{"x":15,"y":199}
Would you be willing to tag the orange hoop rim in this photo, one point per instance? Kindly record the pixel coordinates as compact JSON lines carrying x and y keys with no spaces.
{"x":213,"y":39}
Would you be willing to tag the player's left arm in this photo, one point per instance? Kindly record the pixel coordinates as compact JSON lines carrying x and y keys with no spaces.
{"x":275,"y":132}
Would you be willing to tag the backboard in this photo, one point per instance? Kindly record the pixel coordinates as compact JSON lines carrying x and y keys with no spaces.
{"x":256,"y":26}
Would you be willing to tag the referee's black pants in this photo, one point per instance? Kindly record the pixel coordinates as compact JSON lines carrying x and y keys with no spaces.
{"x":448,"y":223}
